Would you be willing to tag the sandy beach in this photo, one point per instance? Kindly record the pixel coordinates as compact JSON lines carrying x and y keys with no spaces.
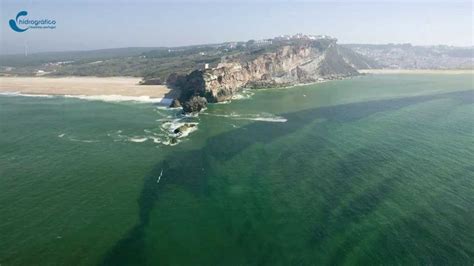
{"x":86,"y":86}
{"x":417,"y":71}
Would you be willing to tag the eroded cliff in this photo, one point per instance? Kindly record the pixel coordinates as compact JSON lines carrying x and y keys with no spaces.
{"x":280,"y":64}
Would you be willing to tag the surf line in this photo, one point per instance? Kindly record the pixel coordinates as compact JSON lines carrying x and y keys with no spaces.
{"x":159,"y":178}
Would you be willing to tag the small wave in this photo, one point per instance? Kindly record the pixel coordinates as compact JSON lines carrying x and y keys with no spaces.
{"x":120,"y":98}
{"x":159,"y":177}
{"x":165,"y":106}
{"x":231,"y":115}
{"x":244,"y":94}
{"x":196,"y":114}
{"x":17,"y":93}
{"x":103,"y":98}
{"x":77,"y":140}
{"x":223,"y":102}
{"x":138,"y":139}
{"x":264,"y":117}
{"x":83,"y":140}
{"x":118,"y":136}
{"x":165,"y":113}
{"x":277,"y":119}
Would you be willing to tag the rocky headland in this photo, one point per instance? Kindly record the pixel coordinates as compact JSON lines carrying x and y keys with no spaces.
{"x":271,"y":63}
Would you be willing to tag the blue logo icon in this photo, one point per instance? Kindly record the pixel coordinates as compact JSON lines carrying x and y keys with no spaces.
{"x":13,"y":23}
{"x":20,"y":24}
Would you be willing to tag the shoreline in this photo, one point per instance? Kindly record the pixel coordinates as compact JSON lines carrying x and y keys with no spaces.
{"x":87,"y":88}
{"x":417,"y":71}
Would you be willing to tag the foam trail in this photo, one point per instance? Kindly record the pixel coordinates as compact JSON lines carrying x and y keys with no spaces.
{"x":277,"y":119}
{"x":159,"y":177}
{"x":83,"y":140}
{"x":263,"y":117}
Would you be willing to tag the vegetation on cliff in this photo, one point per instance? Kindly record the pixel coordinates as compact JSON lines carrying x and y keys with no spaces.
{"x":278,"y":63}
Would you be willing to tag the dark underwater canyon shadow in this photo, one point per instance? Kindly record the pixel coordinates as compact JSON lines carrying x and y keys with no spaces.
{"x":190,"y":170}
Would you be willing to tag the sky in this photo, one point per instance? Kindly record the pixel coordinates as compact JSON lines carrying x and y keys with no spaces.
{"x":86,"y":25}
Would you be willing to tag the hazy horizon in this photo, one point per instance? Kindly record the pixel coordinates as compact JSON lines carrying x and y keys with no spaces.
{"x":87,"y":25}
{"x":198,"y":44}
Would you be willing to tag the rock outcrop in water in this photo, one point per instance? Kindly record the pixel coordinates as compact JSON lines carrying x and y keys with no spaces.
{"x":281,"y":63}
{"x":194,"y":104}
{"x":183,"y":129}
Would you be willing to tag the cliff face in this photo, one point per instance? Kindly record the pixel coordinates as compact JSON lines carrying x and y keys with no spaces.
{"x":284,"y":64}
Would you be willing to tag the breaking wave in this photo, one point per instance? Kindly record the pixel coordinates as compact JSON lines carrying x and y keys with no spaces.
{"x":103,"y":98}
{"x":166,"y":132}
{"x":17,"y":93}
{"x":120,"y":98}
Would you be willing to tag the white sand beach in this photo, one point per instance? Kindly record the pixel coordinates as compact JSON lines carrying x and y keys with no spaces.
{"x":126,"y":87}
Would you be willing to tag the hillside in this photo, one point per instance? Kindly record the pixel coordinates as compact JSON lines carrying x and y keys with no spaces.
{"x":407,"y":56}
{"x":150,"y":63}
{"x":137,"y":62}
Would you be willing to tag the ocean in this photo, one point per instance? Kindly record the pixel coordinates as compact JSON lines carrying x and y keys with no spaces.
{"x":377,"y":169}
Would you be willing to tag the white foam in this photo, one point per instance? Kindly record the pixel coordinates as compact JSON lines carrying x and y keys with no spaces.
{"x":264,"y":117}
{"x":195,"y":114}
{"x":223,"y":102}
{"x":165,"y":105}
{"x":231,"y":115}
{"x":156,"y":139}
{"x":83,"y":140}
{"x":104,"y":98}
{"x":163,"y":135}
{"x":238,"y":97}
{"x":277,"y":119}
{"x":138,"y":139}
{"x":120,"y":98}
{"x":17,"y":93}
{"x":171,"y":126}
{"x":244,"y":94}
{"x":189,"y":131}
{"x":159,"y":177}
{"x":78,"y":140}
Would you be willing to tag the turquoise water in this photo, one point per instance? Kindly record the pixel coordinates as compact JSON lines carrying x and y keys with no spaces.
{"x":372,"y":170}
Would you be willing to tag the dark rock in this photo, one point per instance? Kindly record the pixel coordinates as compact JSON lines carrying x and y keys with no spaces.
{"x":182,"y":129}
{"x":175,"y":80}
{"x":194,"y":104}
{"x":175,"y":103}
{"x":194,"y":85}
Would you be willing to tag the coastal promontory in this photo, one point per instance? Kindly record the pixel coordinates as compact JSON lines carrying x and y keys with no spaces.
{"x":269,"y":63}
